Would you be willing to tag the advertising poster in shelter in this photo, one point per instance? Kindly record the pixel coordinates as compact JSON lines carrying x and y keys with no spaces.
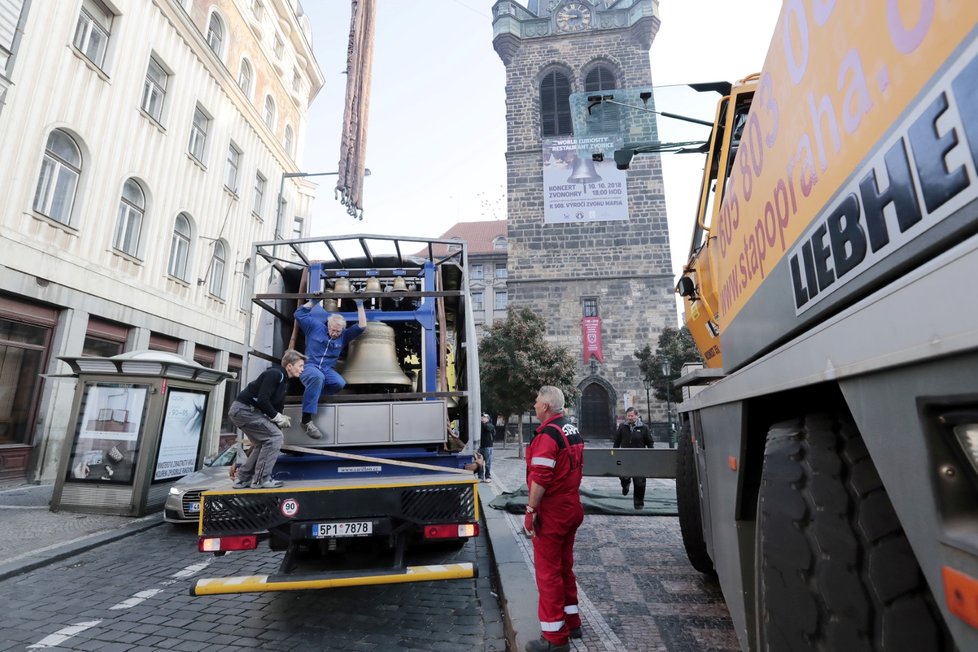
{"x":109,"y":428}
{"x":577,"y":188}
{"x":183,"y":425}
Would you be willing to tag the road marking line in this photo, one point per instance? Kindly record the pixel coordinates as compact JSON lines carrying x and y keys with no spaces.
{"x":190,"y":570}
{"x":136,"y":599}
{"x":23,"y":507}
{"x":63,"y":635}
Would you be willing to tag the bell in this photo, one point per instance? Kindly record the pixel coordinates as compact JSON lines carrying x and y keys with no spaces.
{"x":342,"y":285}
{"x":584,"y":171}
{"x":400,"y":285}
{"x":372,"y":359}
{"x":373,"y":285}
{"x":330,"y":305}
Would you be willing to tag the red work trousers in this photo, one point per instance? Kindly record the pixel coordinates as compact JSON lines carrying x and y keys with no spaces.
{"x":553,"y":561}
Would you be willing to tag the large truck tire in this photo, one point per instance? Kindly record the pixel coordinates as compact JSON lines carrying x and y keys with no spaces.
{"x":688,"y":503}
{"x":835,"y":570}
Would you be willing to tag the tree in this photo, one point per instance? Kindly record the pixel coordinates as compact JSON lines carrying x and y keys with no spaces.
{"x":675,"y":345}
{"x":515,"y":360}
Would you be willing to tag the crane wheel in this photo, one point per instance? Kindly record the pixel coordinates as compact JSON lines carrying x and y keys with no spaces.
{"x":688,"y":503}
{"x":834,"y":568}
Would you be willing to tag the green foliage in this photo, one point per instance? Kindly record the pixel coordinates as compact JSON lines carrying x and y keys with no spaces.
{"x":676,"y":346}
{"x":515,"y":360}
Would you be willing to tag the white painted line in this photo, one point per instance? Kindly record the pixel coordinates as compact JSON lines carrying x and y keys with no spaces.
{"x":136,"y":599}
{"x":191,"y":570}
{"x":63,"y":635}
{"x":23,"y":507}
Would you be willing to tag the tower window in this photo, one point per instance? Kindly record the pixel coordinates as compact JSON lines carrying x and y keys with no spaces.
{"x":555,"y":113}
{"x":604,"y":117}
{"x":591,"y":307}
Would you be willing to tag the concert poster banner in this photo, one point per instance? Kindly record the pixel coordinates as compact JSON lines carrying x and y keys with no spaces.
{"x":578,"y":189}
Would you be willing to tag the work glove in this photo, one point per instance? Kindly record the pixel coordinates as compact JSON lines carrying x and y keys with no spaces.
{"x":529,"y":522}
{"x":281,"y":420}
{"x":359,"y":302}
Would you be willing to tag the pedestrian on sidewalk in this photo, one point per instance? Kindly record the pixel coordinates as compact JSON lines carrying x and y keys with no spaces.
{"x":632,"y":433}
{"x":257,"y":410}
{"x":554,"y":468}
{"x":485,"y":447}
{"x":326,"y":336}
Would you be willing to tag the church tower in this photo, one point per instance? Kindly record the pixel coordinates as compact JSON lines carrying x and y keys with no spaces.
{"x":597,"y":269}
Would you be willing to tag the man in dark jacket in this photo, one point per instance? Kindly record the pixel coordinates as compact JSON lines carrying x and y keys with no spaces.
{"x":257,"y":410}
{"x":485,"y":447}
{"x":633,"y":434}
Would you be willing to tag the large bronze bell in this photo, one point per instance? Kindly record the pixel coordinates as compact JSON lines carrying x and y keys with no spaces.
{"x":342,"y":285}
{"x":400,"y":285}
{"x":372,"y":358}
{"x":373,"y":285}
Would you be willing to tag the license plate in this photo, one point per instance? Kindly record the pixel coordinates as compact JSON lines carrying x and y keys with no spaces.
{"x":344,"y":529}
{"x":193,"y":508}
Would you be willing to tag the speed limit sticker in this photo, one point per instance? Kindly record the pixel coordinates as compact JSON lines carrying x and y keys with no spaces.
{"x":290,"y":507}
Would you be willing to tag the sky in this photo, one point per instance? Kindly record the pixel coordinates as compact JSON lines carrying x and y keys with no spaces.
{"x":437,"y":124}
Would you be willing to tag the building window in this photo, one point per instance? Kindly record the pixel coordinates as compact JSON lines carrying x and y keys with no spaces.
{"x":198,"y":134}
{"x":555,"y":113}
{"x":231,"y":174}
{"x":591,"y":307}
{"x":604,"y":117}
{"x":279,"y":47}
{"x":154,"y":90}
{"x":500,"y":271}
{"x":246,"y":285}
{"x":215,"y":34}
{"x":23,"y":349}
{"x":477,"y":302}
{"x":500,"y":301}
{"x":258,"y":9}
{"x":288,"y":140}
{"x":58,"y":181}
{"x":244,"y":77}
{"x":296,"y":80}
{"x":476,"y":272}
{"x":499,"y":243}
{"x":270,"y":112}
{"x":132,"y":207}
{"x":218,"y":264}
{"x":93,"y":30}
{"x":259,"y":194}
{"x":179,"y":248}
{"x":297,"y":225}
{"x":104,"y":339}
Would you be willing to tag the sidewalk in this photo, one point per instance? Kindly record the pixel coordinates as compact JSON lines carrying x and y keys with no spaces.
{"x":31,"y":535}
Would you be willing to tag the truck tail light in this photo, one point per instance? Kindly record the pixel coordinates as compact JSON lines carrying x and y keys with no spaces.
{"x":451,"y":531}
{"x":223,"y":544}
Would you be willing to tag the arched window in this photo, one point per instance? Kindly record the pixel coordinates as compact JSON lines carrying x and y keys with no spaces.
{"x":555,"y":113}
{"x":132,"y":207}
{"x":179,"y":248}
{"x":244,"y":77}
{"x":245,"y":285}
{"x":288,"y":140}
{"x":215,"y":34}
{"x":218,"y":265}
{"x":58,"y":181}
{"x":270,"y":112}
{"x":604,"y":117}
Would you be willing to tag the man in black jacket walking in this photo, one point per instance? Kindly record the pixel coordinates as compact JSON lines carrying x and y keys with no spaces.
{"x":633,"y":434}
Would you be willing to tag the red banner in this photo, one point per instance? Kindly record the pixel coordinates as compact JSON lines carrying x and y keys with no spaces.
{"x":592,"y":338}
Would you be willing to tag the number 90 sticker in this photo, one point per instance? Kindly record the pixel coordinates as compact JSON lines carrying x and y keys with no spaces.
{"x":289,"y":507}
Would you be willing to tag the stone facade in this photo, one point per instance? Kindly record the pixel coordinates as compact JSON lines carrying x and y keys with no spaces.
{"x":624,"y":265}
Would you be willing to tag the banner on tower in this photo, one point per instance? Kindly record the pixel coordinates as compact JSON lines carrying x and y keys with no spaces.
{"x":591,"y":327}
{"x":577,"y":188}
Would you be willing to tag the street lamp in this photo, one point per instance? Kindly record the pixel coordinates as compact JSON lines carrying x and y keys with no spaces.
{"x":666,"y":372}
{"x":647,"y":383}
{"x":281,"y":192}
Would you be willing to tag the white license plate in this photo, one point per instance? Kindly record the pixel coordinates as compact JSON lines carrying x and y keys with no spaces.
{"x":193,"y":508}
{"x":345,"y":529}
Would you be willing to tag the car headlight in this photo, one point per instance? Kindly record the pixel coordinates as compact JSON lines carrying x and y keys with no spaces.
{"x":174,"y":491}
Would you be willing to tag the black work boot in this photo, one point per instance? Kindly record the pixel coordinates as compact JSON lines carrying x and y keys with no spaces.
{"x":543,"y":645}
{"x":576,"y":632}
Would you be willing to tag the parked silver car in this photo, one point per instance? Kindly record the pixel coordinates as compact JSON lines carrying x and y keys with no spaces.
{"x":183,"y":502}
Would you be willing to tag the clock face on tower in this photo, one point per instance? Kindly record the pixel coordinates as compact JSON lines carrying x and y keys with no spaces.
{"x":573,"y":17}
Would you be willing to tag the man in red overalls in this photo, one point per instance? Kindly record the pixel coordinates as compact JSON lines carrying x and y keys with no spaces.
{"x":554,"y":467}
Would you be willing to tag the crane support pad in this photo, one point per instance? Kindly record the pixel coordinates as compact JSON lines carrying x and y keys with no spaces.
{"x":262,"y":583}
{"x":254,"y":511}
{"x":630,"y":462}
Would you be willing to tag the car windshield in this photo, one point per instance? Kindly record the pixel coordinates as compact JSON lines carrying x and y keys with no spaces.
{"x":225,"y":458}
